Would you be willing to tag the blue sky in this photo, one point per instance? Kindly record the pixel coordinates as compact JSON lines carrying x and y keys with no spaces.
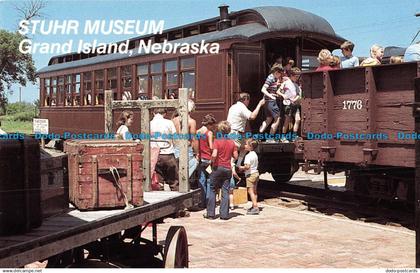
{"x":386,"y":22}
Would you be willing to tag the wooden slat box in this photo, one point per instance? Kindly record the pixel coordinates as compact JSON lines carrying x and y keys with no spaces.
{"x":54,"y":182}
{"x":91,"y":183}
{"x":20,"y":204}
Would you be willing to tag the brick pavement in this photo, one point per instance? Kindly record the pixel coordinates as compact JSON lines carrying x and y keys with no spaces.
{"x":281,"y":237}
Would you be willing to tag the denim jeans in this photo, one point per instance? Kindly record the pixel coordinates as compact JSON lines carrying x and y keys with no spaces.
{"x":192,"y":161}
{"x":204,"y":180}
{"x":219,"y":178}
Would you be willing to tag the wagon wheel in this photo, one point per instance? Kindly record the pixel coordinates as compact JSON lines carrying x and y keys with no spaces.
{"x":176,"y":248}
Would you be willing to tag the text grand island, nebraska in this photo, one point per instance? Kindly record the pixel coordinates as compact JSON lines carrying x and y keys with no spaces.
{"x":127,"y":27}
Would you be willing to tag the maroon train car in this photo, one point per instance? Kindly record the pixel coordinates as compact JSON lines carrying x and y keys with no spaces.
{"x":360,"y":120}
{"x":72,"y":86}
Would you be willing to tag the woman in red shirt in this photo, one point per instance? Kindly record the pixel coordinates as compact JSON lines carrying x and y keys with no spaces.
{"x":224,"y":149}
{"x":205,"y":142}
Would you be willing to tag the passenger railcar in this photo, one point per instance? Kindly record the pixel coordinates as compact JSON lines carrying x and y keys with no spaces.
{"x":72,"y":86}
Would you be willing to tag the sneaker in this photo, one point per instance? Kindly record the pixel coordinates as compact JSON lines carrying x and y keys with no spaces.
{"x":253,"y":211}
{"x":209,"y":217}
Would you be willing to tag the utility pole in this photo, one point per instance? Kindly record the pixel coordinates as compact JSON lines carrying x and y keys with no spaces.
{"x":417,"y":15}
{"x":20,"y":93}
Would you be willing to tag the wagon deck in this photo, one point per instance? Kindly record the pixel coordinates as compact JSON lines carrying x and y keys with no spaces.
{"x":76,"y":228}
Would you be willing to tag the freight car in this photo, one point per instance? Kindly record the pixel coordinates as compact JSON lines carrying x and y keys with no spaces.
{"x":72,"y":86}
{"x":360,"y":120}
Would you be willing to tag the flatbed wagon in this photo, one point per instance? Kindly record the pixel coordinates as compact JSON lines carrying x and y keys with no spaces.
{"x":63,"y":238}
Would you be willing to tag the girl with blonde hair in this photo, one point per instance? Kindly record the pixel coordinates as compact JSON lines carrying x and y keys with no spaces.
{"x":376,"y":54}
{"x":324,"y":58}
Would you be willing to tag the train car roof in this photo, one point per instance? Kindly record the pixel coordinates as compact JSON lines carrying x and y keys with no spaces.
{"x":266,"y":19}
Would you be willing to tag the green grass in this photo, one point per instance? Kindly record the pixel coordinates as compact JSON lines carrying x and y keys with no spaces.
{"x":12,"y":126}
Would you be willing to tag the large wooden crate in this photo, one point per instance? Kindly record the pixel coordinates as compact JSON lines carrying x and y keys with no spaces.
{"x":20,"y":204}
{"x":92,"y":184}
{"x":54,"y":182}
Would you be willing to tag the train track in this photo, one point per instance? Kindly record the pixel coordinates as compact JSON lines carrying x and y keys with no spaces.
{"x":336,"y":203}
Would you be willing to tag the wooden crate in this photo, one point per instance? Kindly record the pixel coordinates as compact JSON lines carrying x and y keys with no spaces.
{"x":240,"y":196}
{"x":91,"y":182}
{"x":54,"y":182}
{"x":20,"y":208}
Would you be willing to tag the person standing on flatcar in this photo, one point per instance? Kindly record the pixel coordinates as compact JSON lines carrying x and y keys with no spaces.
{"x":125,"y":120}
{"x":272,"y":110}
{"x":288,"y":66}
{"x":289,"y":93}
{"x":166,"y":165}
{"x":376,"y":54}
{"x":335,"y":62}
{"x":348,"y":60}
{"x":412,"y":53}
{"x":205,"y":141}
{"x":324,"y":58}
{"x":224,"y":149}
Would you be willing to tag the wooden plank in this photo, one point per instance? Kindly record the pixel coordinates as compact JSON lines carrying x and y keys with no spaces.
{"x":108,"y":111}
{"x":46,"y":246}
{"x":145,"y":128}
{"x":129,"y":104}
{"x":184,"y":185}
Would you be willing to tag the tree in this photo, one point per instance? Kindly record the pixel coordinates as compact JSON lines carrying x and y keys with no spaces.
{"x":16,"y":67}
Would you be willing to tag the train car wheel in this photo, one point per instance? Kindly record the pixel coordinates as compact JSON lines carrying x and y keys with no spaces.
{"x":281,"y":178}
{"x":176,"y":248}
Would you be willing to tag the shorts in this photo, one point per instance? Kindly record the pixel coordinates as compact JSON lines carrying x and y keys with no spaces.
{"x":239,"y":141}
{"x":290,"y":110}
{"x":252,"y":180}
{"x":271,"y":109}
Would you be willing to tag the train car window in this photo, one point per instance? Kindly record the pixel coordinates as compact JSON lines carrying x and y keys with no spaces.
{"x":156,"y":68}
{"x":142,"y":69}
{"x":87,"y":88}
{"x":68,"y":90}
{"x":47,"y":92}
{"x":60,"y":95}
{"x":112,"y":81}
{"x":76,"y":94}
{"x":126,"y":81}
{"x":143,"y":80}
{"x":171,"y":69}
{"x":187,"y":63}
{"x":188,"y":81}
{"x":188,"y":75}
{"x":171,"y":65}
{"x":54,"y":92}
{"x":99,"y":86}
{"x":157,"y":86}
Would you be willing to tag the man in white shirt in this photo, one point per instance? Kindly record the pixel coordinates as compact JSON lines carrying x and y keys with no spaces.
{"x":412,"y":53}
{"x":239,"y":114}
{"x":164,"y":129}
